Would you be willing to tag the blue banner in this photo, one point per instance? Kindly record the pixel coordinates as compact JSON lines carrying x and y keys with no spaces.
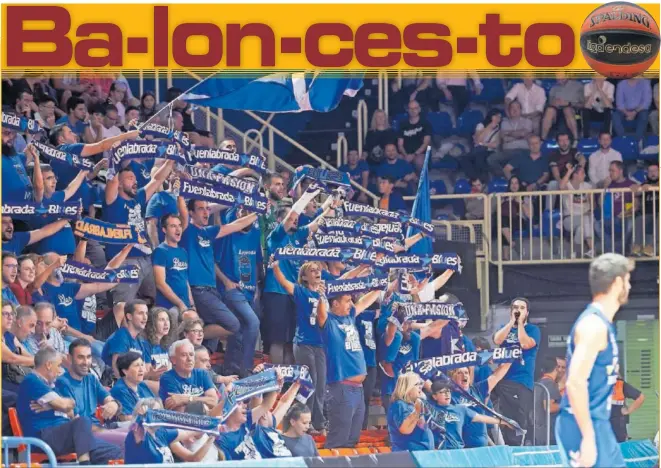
{"x":29,"y":210}
{"x":67,"y":158}
{"x":224,"y":196}
{"x":421,"y":214}
{"x":108,"y":233}
{"x":20,"y":124}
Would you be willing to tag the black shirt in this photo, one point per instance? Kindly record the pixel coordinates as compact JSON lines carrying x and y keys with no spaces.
{"x":375,"y":143}
{"x":560,"y":160}
{"x":414,"y":134}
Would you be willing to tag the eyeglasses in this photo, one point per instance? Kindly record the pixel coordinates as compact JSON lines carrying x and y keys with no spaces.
{"x":11,"y":265}
{"x":196,"y":331}
{"x":445,"y":390}
{"x":7,"y":314}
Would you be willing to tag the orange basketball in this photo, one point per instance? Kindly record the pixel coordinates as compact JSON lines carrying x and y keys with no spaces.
{"x":619,"y":40}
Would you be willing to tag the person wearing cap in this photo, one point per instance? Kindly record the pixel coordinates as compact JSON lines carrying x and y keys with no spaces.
{"x":407,"y":426}
{"x":455,"y":417}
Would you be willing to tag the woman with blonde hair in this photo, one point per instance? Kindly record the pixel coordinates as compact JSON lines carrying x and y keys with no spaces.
{"x":308,"y":345}
{"x":160,"y":332}
{"x":378,"y":136}
{"x":406,"y":425}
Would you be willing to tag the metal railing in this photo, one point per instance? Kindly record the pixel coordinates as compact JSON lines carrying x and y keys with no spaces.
{"x":362,"y":123}
{"x":342,"y":149}
{"x":16,"y":442}
{"x":547,"y":423}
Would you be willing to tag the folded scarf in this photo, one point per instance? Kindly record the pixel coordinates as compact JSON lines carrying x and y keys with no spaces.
{"x":20,"y":124}
{"x":108,"y":233}
{"x":224,"y":196}
{"x":176,"y":420}
{"x":293,"y":373}
{"x":244,"y":389}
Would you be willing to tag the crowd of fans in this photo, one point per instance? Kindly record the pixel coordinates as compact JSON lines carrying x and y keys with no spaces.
{"x":207,"y":283}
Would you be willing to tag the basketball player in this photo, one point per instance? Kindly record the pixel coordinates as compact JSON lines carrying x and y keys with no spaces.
{"x":583,"y":428}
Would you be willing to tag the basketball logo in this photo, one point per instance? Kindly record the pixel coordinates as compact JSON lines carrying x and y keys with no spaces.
{"x":619,"y":40}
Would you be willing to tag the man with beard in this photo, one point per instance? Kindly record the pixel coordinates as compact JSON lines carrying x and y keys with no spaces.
{"x":86,"y":390}
{"x":16,"y":185}
{"x":644,"y":227}
{"x":275,"y":191}
{"x":15,"y":242}
{"x":124,"y":204}
{"x":397,"y":168}
{"x":583,"y":430}
{"x":600,"y":161}
{"x":558,"y":162}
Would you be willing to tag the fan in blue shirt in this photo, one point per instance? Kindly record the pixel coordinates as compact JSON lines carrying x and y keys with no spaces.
{"x":160,"y":324}
{"x":130,"y":388}
{"x":407,"y":427}
{"x":358,"y":171}
{"x":16,"y":184}
{"x":171,"y":268}
{"x":393,"y":166}
{"x":161,"y":204}
{"x":127,"y":338}
{"x":15,"y":242}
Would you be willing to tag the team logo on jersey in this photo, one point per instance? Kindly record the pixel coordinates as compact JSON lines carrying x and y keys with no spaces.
{"x":65,"y":301}
{"x":179,"y":265}
{"x":202,"y":242}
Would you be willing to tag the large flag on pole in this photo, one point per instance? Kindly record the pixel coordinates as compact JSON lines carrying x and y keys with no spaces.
{"x":278,"y":92}
{"x":422,"y":210}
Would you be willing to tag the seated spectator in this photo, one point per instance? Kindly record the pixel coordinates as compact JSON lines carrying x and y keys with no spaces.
{"x":16,"y":185}
{"x":24,"y":104}
{"x":76,"y":119}
{"x":644,"y":225}
{"x":547,"y":402}
{"x":578,"y":218}
{"x":110,"y":120}
{"x":633,"y":98}
{"x":147,"y":106}
{"x":9,"y":273}
{"x":295,"y":427}
{"x":47,"y":415}
{"x":622,"y":206}
{"x":24,"y":284}
{"x":400,"y":170}
{"x":128,"y":337}
{"x":654,"y":114}
{"x":46,"y":115}
{"x":407,"y":427}
{"x":514,"y":210}
{"x":390,"y":199}
{"x":515,"y":131}
{"x":85,"y":389}
{"x":16,"y":242}
{"x":559,"y":159}
{"x":414,"y":135}
{"x":203,"y":361}
{"x":117,"y":98}
{"x":533,"y":168}
{"x":160,"y":331}
{"x":47,"y":330}
{"x":455,"y":90}
{"x":130,"y":388}
{"x":184,"y":383}
{"x":599,"y":97}
{"x":378,"y":136}
{"x":193,"y":331}
{"x":486,"y":141}
{"x":411,"y":86}
{"x":16,"y":361}
{"x":532,"y":98}
{"x":358,"y":171}
{"x":69,"y":85}
{"x":600,"y":161}
{"x":475,"y":205}
{"x":566,"y":97}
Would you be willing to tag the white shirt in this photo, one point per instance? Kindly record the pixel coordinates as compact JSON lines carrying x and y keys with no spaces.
{"x":440,"y":82}
{"x":607,"y":88}
{"x":572,"y":203}
{"x":532,"y":100}
{"x":599,"y":162}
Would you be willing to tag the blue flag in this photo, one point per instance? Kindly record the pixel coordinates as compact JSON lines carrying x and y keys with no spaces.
{"x":422,"y":210}
{"x":277,"y":92}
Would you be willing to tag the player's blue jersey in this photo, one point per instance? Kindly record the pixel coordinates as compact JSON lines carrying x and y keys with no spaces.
{"x":604,"y":373}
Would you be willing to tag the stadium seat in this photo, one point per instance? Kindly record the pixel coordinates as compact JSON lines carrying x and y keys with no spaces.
{"x":397,"y":120}
{"x":441,"y":123}
{"x":467,"y":122}
{"x":639,"y":176}
{"x":436,"y":187}
{"x":326,"y":453}
{"x":461,"y":187}
{"x":626,"y":145}
{"x":365,"y":450}
{"x":651,"y":140}
{"x":587,"y":146}
{"x":493,"y":91}
{"x":345,"y":452}
{"x":551,"y":223}
{"x":498,"y":185}
{"x":548,"y":146}
{"x":17,"y":430}
{"x":383,"y":449}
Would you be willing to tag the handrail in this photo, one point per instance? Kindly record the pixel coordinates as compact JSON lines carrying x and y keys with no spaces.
{"x":363,"y":124}
{"x":261,"y":130}
{"x":258,"y":136}
{"x":382,"y":83}
{"x":15,"y":442}
{"x":548,"y":414}
{"x":342,"y":149}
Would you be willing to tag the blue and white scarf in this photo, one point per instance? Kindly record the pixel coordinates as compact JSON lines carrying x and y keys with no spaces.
{"x":358,"y":209}
{"x":446,"y":261}
{"x":428,"y":228}
{"x":73,"y":160}
{"x":159,"y":131}
{"x":422,"y":311}
{"x":202,"y":154}
{"x":385,"y":245}
{"x":307,"y":254}
{"x":28,"y":210}
{"x":402,"y":261}
{"x":20,"y":124}
{"x":356,"y":285}
{"x":82,"y":272}
{"x":430,"y":367}
{"x":108,"y":233}
{"x":244,"y":389}
{"x":338,"y":239}
{"x":143,"y":149}
{"x":176,"y":420}
{"x":324,"y":177}
{"x":293,"y":374}
{"x":224,"y":196}
{"x":211,"y":177}
{"x":380,"y":230}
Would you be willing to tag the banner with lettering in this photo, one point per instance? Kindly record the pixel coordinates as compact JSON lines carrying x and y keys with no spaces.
{"x":224,"y":196}
{"x":427,"y":228}
{"x":29,"y":210}
{"x":294,"y":373}
{"x":309,"y":254}
{"x":73,"y":160}
{"x":177,"y":420}
{"x":159,"y":131}
{"x":108,"y":233}
{"x":333,"y":239}
{"x":202,"y":154}
{"x":358,"y":209}
{"x":212,"y":177}
{"x":423,"y":311}
{"x":244,"y":389}
{"x":428,"y":368}
{"x":20,"y":124}
{"x":324,"y":177}
{"x":446,"y":261}
{"x":356,"y":285}
{"x":83,"y":272}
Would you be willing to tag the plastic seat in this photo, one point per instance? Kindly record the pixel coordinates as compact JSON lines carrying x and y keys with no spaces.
{"x":17,"y":430}
{"x":345,"y":452}
{"x":497,"y":185}
{"x":492,"y":91}
{"x":587,"y":146}
{"x":365,"y":450}
{"x":639,"y":176}
{"x":548,"y":146}
{"x":441,"y":123}
{"x":326,"y":453}
{"x":383,"y":450}
{"x":399,"y":118}
{"x":462,"y":186}
{"x":628,"y":146}
{"x":551,"y":223}
{"x":467,"y":122}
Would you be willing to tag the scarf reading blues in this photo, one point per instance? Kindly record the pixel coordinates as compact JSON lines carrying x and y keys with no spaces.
{"x":159,"y":131}
{"x":202,"y":154}
{"x":211,"y":177}
{"x":324,"y":177}
{"x":20,"y":124}
{"x":386,"y":246}
{"x":74,"y":160}
{"x":252,"y":386}
{"x":82,"y":272}
{"x":224,"y":196}
{"x":358,"y":209}
{"x":430,"y":367}
{"x":446,"y":261}
{"x":28,"y":210}
{"x":293,"y":374}
{"x":108,"y":233}
{"x":176,"y":420}
{"x":416,"y":223}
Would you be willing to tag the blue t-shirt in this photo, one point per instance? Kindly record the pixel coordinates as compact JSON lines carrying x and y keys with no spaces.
{"x":127,"y":397}
{"x":159,"y":356}
{"x":88,"y":394}
{"x":17,"y":243}
{"x":307,"y":330}
{"x":63,"y":242}
{"x":328,"y":276}
{"x":523,"y":373}
{"x":474,"y":433}
{"x":398,"y":170}
{"x":153,"y":448}
{"x":420,"y":439}
{"x":365,"y":326}
{"x":455,"y":418}
{"x":87,"y":309}
{"x":482,"y":373}
{"x":344,"y":354}
{"x":529,"y":170}
{"x":198,"y":242}
{"x":16,"y":185}
{"x":175,"y":262}
{"x":279,"y":238}
{"x":65,"y":175}
{"x":9,"y":340}
{"x":8,"y":296}
{"x":33,"y":388}
{"x":356,"y":174}
{"x":450,"y":342}
{"x":78,"y":128}
{"x":239,"y":256}
{"x":161,"y":204}
{"x":142,"y":173}
{"x":239,"y":444}
{"x":269,"y":442}
{"x":64,"y":300}
{"x":129,"y":212}
{"x":304,"y":220}
{"x":122,"y":342}
{"x":409,"y":350}
{"x":172,"y":383}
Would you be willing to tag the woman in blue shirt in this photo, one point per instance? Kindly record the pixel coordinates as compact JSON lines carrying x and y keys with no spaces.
{"x":130,"y":388}
{"x":407,"y":427}
{"x":160,"y":333}
{"x":308,"y":346}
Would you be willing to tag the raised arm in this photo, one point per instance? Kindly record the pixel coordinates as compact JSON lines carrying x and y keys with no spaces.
{"x":90,"y":289}
{"x":119,"y":259}
{"x":355,"y":273}
{"x":106,"y":145}
{"x":236,"y":225}
{"x":47,"y":230}
{"x":280,"y":278}
{"x":442,"y":279}
{"x":159,"y":177}
{"x":498,"y":375}
{"x":365,"y":301}
{"x":285,"y":402}
{"x":75,"y":184}
{"x":37,"y":178}
{"x":183,"y":213}
{"x":152,"y":232}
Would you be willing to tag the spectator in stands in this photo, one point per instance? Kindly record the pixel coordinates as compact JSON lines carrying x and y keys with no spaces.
{"x":46,"y":115}
{"x":578,"y":218}
{"x":400,"y":170}
{"x":486,"y":141}
{"x":515,"y":391}
{"x":46,"y":330}
{"x":559,"y":159}
{"x":213,"y":455}
{"x":547,"y":401}
{"x":203,"y":361}
{"x":620,"y":412}
{"x":410,"y":87}
{"x":633,"y":98}
{"x":9,"y":273}
{"x":128,"y":337}
{"x":117,"y":99}
{"x":184,"y":383}
{"x":159,"y":331}
{"x":455,"y":90}
{"x":365,"y":324}
{"x":88,"y":393}
{"x":130,"y":388}
{"x":481,"y":372}
{"x":68,"y":85}
{"x":276,"y":191}
{"x":23,"y":286}
{"x":532,"y":99}
{"x":654,"y":114}
{"x":162,"y":203}
{"x":414,"y":134}
{"x":644,"y":225}
{"x":16,"y":361}
{"x":24,"y":104}
{"x":622,"y":206}
{"x":599,"y":97}
{"x":76,"y":119}
{"x":378,"y":136}
{"x":358,"y":171}
{"x":15,"y":242}
{"x":16,"y":185}
{"x":49,"y":416}
{"x":147,"y":106}
{"x":110,"y":123}
{"x":533,"y":168}
{"x":295,"y":427}
{"x":475,"y":205}
{"x":390,"y":199}
{"x":193,"y":330}
{"x":407,"y":427}
{"x":132,"y":115}
{"x":600,"y":161}
{"x":515,"y":132}
{"x":566,"y":97}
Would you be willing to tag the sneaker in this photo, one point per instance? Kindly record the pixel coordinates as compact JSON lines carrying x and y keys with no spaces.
{"x":386,"y":367}
{"x":648,"y":251}
{"x":636,"y":250}
{"x":589,"y":254}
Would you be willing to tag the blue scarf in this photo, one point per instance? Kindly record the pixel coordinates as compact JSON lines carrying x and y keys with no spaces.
{"x":29,"y":210}
{"x":255,"y":203}
{"x":335,"y":254}
{"x":380,"y":230}
{"x":333,"y":239}
{"x":324,"y":177}
{"x":252,"y":386}
{"x":355,"y":285}
{"x":293,"y":374}
{"x":176,"y":420}
{"x":108,"y":233}
{"x":416,"y":223}
{"x":430,"y":367}
{"x":358,"y":209}
{"x":422,"y":311}
{"x":401,"y":261}
{"x":202,"y":154}
{"x":446,"y":261}
{"x":211,"y":177}
{"x":384,"y":245}
{"x":329,"y":225}
{"x":80,"y":271}
{"x":20,"y":124}
{"x":159,"y":131}
{"x":74,"y":160}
